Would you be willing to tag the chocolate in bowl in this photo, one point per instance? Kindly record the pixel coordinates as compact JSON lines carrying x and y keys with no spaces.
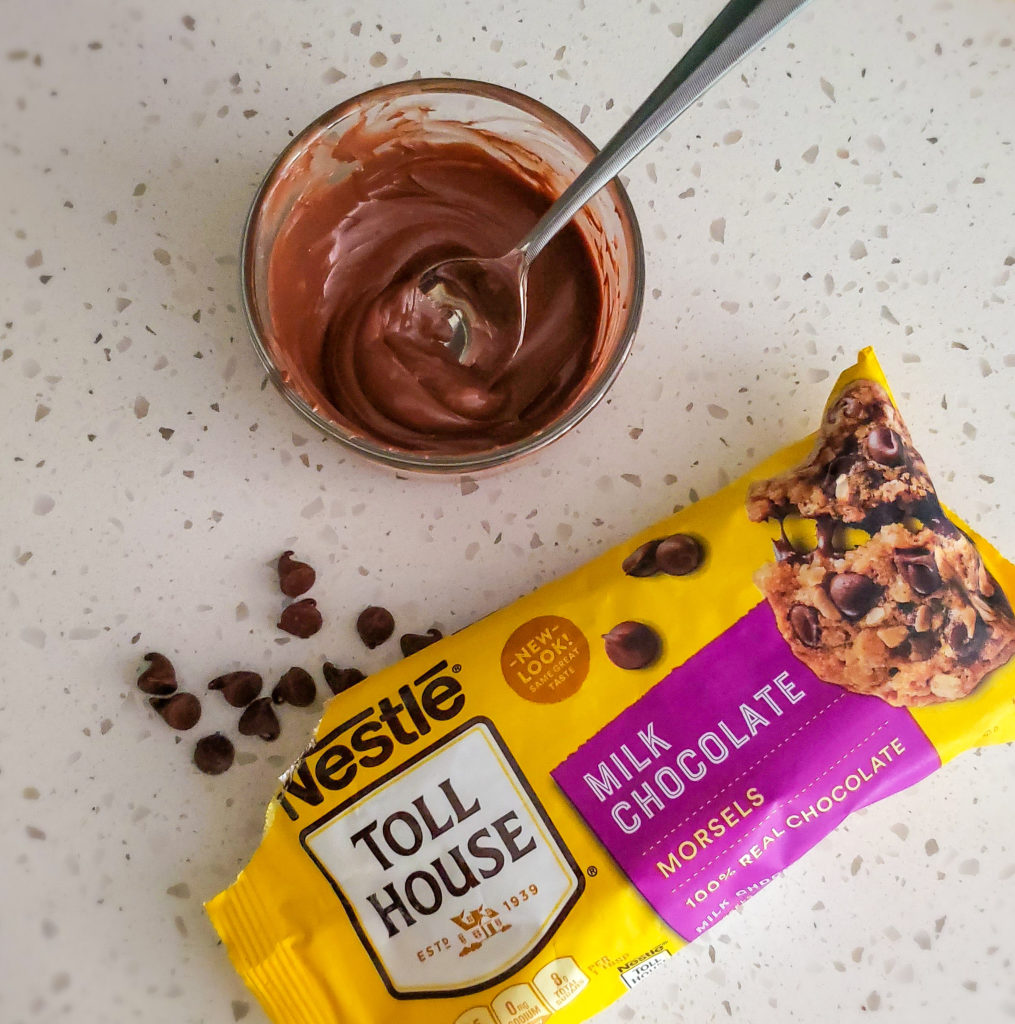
{"x":306,"y":256}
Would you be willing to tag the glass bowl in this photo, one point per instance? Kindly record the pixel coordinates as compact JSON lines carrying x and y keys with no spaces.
{"x":508,"y":125}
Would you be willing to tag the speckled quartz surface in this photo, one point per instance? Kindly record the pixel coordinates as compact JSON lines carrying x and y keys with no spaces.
{"x":855,"y":184}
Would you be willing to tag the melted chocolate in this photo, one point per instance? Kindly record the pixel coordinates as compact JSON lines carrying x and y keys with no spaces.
{"x":343,"y":303}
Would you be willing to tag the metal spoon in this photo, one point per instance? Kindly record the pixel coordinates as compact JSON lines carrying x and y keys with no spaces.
{"x":484,"y":299}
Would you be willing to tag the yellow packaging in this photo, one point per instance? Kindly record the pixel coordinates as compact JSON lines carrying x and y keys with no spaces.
{"x":525,"y":819}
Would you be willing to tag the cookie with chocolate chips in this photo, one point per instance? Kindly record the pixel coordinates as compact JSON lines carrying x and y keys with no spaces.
{"x":863,"y":470}
{"x":913,"y":617}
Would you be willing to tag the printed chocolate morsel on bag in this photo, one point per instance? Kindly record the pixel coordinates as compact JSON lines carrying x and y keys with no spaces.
{"x":520,"y":822}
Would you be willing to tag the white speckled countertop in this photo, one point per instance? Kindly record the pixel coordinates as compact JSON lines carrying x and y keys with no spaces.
{"x":855,"y":184}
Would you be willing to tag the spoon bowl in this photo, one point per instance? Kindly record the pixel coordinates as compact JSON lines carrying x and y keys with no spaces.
{"x":484,"y":301}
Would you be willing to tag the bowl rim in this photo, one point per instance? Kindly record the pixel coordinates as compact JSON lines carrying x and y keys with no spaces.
{"x":466,"y":462}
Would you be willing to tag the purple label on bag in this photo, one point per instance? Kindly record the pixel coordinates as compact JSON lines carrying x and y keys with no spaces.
{"x":731,"y":768}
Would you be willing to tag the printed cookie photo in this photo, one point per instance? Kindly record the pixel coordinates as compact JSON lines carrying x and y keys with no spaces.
{"x":911,"y":615}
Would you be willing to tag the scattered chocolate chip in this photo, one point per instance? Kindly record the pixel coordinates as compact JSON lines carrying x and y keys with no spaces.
{"x":181,"y":711}
{"x":375,"y":625}
{"x":411,"y":643}
{"x":918,"y":568}
{"x":294,"y":578}
{"x":159,"y":679}
{"x":238,"y":688}
{"x":260,"y":719}
{"x":214,"y":754}
{"x":853,"y":594}
{"x":804,"y":621}
{"x":296,"y":687}
{"x":642,"y":561}
{"x":632,"y":645}
{"x":885,"y":447}
{"x":339,"y":679}
{"x":679,"y":554}
{"x":301,"y":618}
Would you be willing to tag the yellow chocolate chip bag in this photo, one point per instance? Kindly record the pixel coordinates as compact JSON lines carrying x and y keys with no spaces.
{"x":525,"y":819}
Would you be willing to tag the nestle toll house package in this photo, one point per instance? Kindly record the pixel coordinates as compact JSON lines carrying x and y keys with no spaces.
{"x":521,"y":821}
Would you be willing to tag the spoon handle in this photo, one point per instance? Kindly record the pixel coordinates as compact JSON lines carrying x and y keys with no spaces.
{"x":738,"y":29}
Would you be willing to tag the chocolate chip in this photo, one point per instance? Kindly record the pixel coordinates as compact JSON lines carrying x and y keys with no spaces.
{"x":181,"y":711}
{"x":884,"y":446}
{"x":825,"y":529}
{"x":921,"y":645}
{"x":957,"y":635}
{"x":999,"y":600}
{"x":943,"y":526}
{"x":839,"y":466}
{"x":853,"y":594}
{"x":339,"y":679}
{"x":375,"y":625}
{"x":238,"y":688}
{"x":918,"y":568}
{"x":850,"y":406}
{"x":260,"y":719}
{"x":804,"y":621}
{"x":294,"y":578}
{"x":679,"y":554}
{"x":411,"y":643}
{"x":159,"y":679}
{"x":301,"y":618}
{"x":784,"y":551}
{"x":883,"y":515}
{"x":967,"y":647}
{"x":642,"y":561}
{"x":296,"y":687}
{"x":632,"y":645}
{"x":214,"y":754}
{"x":925,"y":509}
